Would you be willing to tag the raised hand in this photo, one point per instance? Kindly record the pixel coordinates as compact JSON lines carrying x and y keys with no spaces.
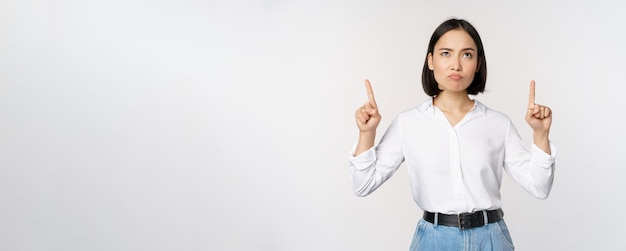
{"x":539,"y":117}
{"x":367,"y":116}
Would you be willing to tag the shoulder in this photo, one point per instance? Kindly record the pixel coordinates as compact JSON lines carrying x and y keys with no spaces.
{"x":421,"y":108}
{"x":419,"y":114}
{"x":492,"y":114}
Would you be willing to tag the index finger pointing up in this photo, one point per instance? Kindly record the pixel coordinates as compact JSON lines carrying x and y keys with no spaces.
{"x":531,"y":96}
{"x":370,"y":93}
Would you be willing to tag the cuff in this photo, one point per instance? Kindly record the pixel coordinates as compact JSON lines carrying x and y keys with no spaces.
{"x":363,"y":160}
{"x":541,"y":158}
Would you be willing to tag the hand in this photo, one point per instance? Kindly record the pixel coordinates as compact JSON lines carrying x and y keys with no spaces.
{"x":367,"y":116}
{"x":539,"y":117}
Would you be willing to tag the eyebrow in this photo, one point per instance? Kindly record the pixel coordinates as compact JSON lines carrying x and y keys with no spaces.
{"x":464,"y":49}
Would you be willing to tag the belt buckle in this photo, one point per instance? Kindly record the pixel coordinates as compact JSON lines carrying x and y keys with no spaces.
{"x":465,"y":221}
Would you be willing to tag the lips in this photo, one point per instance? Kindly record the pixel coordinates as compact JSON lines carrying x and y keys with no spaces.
{"x":455,"y":76}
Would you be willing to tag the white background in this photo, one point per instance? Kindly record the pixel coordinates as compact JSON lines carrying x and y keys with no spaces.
{"x":226,"y":125}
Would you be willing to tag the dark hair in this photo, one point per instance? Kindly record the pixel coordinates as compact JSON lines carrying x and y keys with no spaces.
{"x":478,"y":83}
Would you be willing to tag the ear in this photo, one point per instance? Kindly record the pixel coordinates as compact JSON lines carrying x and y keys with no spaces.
{"x":478,"y":65}
{"x":430,"y":61}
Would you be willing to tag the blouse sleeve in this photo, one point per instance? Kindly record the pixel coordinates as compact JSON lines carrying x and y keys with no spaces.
{"x":534,"y":169}
{"x":373,"y":167}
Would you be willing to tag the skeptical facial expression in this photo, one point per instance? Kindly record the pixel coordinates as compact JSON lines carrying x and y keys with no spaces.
{"x":454,"y":61}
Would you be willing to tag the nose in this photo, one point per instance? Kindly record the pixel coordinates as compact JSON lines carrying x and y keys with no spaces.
{"x":456,"y":64}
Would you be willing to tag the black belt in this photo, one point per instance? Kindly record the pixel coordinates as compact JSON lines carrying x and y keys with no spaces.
{"x":465,"y":220}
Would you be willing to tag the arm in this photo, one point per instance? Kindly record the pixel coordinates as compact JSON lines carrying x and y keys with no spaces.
{"x":372,"y":166}
{"x":534,"y":169}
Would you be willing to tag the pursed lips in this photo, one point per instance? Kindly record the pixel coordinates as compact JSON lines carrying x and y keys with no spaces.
{"x":455,"y":76}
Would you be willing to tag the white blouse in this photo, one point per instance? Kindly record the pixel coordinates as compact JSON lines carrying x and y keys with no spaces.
{"x":454,"y":169}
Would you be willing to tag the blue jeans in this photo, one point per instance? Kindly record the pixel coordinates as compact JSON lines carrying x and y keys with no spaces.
{"x":493,"y":236}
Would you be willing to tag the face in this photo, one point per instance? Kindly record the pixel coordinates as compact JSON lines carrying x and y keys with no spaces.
{"x":454,"y":61}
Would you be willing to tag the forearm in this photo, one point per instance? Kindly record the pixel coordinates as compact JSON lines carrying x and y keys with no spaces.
{"x":541,"y":140}
{"x":366,"y":141}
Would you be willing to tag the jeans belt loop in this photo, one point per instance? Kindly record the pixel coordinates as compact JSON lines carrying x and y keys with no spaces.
{"x":436,"y":219}
{"x":485,"y":217}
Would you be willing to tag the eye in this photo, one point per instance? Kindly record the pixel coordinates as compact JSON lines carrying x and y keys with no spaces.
{"x":468,"y":55}
{"x":445,"y":53}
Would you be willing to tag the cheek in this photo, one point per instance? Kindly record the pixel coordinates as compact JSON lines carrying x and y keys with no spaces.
{"x":440,"y":65}
{"x":471,"y":66}
{"x":470,"y":71}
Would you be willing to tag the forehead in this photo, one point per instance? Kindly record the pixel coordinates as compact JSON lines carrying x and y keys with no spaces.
{"x":456,"y":39}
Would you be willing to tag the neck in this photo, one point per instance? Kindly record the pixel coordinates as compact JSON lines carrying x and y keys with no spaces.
{"x":453,"y":101}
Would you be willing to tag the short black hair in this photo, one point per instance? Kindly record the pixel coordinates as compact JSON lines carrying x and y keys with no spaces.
{"x":480,"y":78}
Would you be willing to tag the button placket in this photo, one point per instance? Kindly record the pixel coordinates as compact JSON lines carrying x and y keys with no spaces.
{"x":455,"y":166}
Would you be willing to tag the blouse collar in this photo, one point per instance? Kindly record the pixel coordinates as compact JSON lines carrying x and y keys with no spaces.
{"x":429,"y":106}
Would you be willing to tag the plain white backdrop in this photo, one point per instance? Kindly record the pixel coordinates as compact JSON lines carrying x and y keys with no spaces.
{"x":226,"y":125}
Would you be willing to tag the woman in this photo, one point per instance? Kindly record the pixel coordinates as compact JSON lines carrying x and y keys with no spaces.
{"x":455,"y":148}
